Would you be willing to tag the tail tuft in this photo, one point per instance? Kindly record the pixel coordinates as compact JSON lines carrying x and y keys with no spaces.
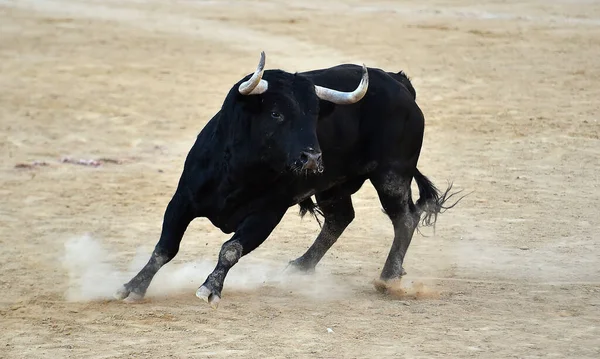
{"x":308,"y":206}
{"x":431,"y":201}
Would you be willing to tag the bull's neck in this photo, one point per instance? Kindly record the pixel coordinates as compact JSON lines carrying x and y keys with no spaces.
{"x":202,"y":172}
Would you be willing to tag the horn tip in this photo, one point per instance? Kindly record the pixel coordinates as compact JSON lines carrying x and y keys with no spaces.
{"x":261,"y":63}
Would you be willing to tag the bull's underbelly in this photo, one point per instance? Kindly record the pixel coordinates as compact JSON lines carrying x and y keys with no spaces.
{"x":310,"y":188}
{"x":304,"y":195}
{"x":287,"y":193}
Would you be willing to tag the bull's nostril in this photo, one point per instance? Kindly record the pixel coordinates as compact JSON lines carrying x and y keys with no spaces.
{"x":303,"y":158}
{"x":310,"y":160}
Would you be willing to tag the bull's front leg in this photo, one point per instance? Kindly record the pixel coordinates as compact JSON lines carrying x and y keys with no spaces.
{"x":249,"y":235}
{"x":178,"y":215}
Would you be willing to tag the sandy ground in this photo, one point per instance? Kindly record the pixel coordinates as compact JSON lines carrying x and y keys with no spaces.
{"x":510,"y":92}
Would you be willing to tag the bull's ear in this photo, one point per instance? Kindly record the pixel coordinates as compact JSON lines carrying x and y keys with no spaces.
{"x":325,"y":108}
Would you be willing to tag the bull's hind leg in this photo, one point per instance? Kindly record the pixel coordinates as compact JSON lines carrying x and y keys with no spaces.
{"x":393,"y":188}
{"x":336,"y":205}
{"x":178,"y":215}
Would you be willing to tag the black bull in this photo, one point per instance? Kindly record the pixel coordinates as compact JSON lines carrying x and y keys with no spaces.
{"x":280,"y":138}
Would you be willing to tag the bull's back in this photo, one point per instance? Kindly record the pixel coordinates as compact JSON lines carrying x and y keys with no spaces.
{"x":385,"y":125}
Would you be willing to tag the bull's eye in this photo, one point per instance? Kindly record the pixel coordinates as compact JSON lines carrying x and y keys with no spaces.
{"x":277,"y":116}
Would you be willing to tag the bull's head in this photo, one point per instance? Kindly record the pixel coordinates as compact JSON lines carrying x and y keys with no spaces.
{"x":285,"y":110}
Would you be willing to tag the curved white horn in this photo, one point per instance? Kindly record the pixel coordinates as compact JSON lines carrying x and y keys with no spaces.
{"x":345,"y":98}
{"x":255,"y":84}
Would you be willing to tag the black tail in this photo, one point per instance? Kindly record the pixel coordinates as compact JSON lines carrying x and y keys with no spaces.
{"x":308,"y":206}
{"x":431,"y":201}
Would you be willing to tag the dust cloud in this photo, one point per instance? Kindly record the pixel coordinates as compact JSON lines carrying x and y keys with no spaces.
{"x":91,"y":275}
{"x":94,"y":274}
{"x":405,"y":288}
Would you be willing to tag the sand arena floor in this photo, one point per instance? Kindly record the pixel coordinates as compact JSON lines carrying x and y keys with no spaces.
{"x":510,"y":93}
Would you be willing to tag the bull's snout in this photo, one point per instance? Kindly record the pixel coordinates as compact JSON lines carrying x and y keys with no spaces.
{"x":310,"y":160}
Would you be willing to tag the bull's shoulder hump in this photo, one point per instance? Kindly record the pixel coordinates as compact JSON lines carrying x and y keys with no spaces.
{"x":338,"y":70}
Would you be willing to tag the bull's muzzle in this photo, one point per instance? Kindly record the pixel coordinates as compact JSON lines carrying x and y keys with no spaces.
{"x":310,"y":160}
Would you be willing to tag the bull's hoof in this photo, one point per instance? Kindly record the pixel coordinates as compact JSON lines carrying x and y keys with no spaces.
{"x":301,"y":266}
{"x":390,"y":286}
{"x":134,"y":298}
{"x":127,"y":295}
{"x":209,"y":296}
{"x":389,"y":282}
{"x":121,"y":293}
